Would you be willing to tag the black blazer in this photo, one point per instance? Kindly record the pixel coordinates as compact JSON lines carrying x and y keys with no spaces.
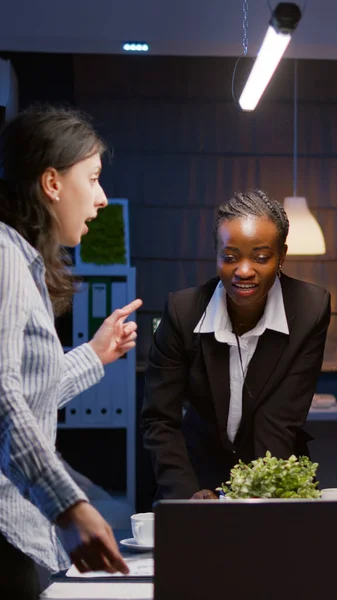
{"x":192,"y":370}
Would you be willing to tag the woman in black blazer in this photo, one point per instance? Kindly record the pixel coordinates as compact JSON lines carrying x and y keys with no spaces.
{"x":234,"y":362}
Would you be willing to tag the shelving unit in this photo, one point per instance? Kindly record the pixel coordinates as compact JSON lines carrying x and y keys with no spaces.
{"x":319,"y":414}
{"x":110,"y":404}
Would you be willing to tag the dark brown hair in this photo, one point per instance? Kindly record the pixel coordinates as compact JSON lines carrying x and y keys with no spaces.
{"x":36,"y":139}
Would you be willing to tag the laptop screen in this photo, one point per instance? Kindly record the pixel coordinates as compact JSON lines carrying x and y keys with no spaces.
{"x":256,"y":549}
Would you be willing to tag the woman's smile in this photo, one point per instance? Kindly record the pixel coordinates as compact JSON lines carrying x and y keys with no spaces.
{"x":244,"y":289}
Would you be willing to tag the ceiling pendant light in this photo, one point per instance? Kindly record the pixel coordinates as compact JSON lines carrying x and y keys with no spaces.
{"x":305,"y":234}
{"x":283,"y":22}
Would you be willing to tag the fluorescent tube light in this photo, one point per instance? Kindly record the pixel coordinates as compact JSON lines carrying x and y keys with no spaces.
{"x":283,"y":22}
{"x":270,"y":54}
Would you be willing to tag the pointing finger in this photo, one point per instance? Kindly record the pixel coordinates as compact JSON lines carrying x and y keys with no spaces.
{"x":123,"y":313}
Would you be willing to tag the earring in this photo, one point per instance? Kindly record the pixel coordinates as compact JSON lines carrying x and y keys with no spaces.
{"x":57,"y":198}
{"x":279,"y":273}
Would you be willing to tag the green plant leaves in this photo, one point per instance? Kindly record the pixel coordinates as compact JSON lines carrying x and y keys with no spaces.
{"x":271,"y":477}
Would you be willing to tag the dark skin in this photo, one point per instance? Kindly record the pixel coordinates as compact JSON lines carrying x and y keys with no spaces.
{"x":249,"y":255}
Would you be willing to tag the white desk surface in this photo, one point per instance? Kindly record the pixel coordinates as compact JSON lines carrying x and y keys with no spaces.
{"x":103,"y":589}
{"x":99,"y":591}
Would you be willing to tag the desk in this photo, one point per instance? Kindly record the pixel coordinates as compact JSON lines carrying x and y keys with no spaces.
{"x":120,"y":588}
{"x":99,"y":591}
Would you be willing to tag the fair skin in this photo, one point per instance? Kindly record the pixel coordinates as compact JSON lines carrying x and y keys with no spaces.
{"x":75,"y":196}
{"x":89,"y":540}
{"x":249,"y":255}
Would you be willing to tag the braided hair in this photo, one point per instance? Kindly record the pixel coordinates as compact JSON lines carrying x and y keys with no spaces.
{"x":255,"y":203}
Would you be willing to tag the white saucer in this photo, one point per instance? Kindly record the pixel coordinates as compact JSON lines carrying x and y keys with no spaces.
{"x":132,"y":544}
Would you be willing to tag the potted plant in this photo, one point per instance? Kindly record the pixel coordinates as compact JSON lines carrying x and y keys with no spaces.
{"x":271,"y":477}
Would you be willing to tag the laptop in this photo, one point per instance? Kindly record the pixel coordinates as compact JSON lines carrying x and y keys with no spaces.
{"x":240,"y":550}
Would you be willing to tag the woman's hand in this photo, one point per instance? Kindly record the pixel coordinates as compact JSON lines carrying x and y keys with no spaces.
{"x":89,"y":541}
{"x":114,"y":338}
{"x":204,"y":495}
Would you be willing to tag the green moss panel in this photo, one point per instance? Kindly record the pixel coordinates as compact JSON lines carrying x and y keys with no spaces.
{"x":104,"y":244}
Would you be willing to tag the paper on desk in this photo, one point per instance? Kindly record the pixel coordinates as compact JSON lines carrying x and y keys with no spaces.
{"x":99,"y":591}
{"x":139,"y":567}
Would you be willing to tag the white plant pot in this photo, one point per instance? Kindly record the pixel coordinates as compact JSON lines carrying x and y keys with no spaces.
{"x":224,"y":498}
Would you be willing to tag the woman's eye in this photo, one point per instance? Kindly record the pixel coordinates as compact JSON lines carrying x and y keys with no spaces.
{"x":228,"y":258}
{"x":262,"y":258}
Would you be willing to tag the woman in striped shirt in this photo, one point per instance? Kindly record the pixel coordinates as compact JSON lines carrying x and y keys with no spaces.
{"x":50,"y":161}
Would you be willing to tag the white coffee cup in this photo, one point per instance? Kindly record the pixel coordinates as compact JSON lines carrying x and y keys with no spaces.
{"x":142,"y":525}
{"x":329,"y":494}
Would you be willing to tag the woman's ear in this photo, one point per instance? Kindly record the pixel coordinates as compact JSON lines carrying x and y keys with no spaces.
{"x":50,"y":184}
{"x":283,"y":254}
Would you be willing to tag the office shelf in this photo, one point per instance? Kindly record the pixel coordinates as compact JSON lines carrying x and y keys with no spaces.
{"x":323,"y":414}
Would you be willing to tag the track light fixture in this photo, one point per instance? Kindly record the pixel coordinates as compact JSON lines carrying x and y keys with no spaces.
{"x":283,"y":22}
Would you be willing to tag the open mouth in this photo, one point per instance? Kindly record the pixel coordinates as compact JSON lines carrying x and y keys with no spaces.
{"x":245,"y":286}
{"x":245,"y":289}
{"x":89,"y":219}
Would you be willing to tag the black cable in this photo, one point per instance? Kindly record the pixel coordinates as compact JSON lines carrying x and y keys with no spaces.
{"x":304,"y":6}
{"x":233,"y":79}
{"x":239,"y":348}
{"x":241,"y":363}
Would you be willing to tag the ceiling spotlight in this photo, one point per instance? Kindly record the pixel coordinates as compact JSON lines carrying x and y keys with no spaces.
{"x":135,"y":47}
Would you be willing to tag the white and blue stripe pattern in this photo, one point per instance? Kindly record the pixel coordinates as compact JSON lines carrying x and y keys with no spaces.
{"x":36,"y":379}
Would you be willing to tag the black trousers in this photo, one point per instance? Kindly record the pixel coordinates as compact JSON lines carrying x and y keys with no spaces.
{"x":18,"y":577}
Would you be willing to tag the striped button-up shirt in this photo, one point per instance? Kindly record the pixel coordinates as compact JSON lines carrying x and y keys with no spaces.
{"x":36,"y":379}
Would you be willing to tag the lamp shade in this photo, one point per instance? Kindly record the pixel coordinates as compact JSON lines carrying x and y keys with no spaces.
{"x":305,"y":234}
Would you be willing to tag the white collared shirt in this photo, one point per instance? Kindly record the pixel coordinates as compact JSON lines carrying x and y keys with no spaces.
{"x":216,"y":319}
